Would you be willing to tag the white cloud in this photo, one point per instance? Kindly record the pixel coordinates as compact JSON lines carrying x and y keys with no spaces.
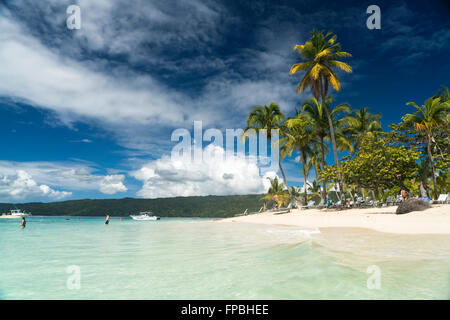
{"x":75,"y":176}
{"x":167,"y":177}
{"x":49,"y":72}
{"x":21,"y":185}
{"x":112,"y":184}
{"x":37,"y":75}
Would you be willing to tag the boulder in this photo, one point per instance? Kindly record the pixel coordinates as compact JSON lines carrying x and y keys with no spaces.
{"x":413,"y":204}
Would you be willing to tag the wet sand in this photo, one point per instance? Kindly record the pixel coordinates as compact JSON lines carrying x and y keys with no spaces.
{"x":435,"y":220}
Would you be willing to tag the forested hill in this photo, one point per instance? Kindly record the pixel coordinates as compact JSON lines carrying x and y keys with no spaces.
{"x":208,"y":206}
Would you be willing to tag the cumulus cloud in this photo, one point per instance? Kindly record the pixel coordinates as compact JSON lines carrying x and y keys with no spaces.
{"x":111,"y":184}
{"x":168,"y":177}
{"x":43,"y":178}
{"x":21,"y":186}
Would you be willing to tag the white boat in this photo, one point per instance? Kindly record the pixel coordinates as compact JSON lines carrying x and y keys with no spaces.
{"x":144,"y":216}
{"x":15,"y":213}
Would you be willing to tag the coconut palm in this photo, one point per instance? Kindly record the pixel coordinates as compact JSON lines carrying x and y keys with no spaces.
{"x":315,"y":161}
{"x":319,"y":121}
{"x":444,"y":94}
{"x":276,"y":193}
{"x":267,"y":118}
{"x":361,"y":123}
{"x":298,"y":135}
{"x":320,"y":55}
{"x":426,"y":119}
{"x":314,"y":188}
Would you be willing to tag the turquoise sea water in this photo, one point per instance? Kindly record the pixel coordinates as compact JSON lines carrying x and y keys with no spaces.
{"x":202,"y":259}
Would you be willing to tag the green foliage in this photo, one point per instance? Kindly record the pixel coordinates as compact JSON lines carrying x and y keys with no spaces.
{"x":380,"y":165}
{"x":377,"y":165}
{"x":277,"y":193}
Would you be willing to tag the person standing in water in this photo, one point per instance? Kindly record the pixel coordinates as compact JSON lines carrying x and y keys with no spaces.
{"x":24,"y":223}
{"x":107,"y":219}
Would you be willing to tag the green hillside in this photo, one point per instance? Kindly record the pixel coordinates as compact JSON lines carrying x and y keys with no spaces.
{"x":208,"y":206}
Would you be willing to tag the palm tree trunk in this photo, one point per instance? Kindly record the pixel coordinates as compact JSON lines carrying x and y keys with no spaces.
{"x":373,"y":195}
{"x":281,"y":170}
{"x":423,"y":180}
{"x":324,"y":183}
{"x":430,"y":156}
{"x":302,"y":156}
{"x":333,"y":143}
{"x":317,"y":170}
{"x":351,"y":193}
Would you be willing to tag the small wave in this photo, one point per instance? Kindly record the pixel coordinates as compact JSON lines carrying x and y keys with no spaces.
{"x":304,"y":233}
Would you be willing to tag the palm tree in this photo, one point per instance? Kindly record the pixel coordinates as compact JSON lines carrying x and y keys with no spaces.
{"x":298,"y":135}
{"x":444,"y":94}
{"x":295,"y":192}
{"x":276,"y":193}
{"x":320,"y":55}
{"x":319,"y":121}
{"x":361,"y":123}
{"x":315,"y":161}
{"x":267,"y":118}
{"x":314,"y":187}
{"x":426,"y":119}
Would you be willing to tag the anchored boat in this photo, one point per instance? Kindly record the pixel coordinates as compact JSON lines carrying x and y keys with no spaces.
{"x":145,"y":216}
{"x":15,"y":214}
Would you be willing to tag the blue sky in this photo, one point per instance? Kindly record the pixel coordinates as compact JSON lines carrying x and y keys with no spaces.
{"x":89,"y":113}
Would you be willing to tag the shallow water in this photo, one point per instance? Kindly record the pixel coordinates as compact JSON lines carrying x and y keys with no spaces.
{"x":201,"y":259}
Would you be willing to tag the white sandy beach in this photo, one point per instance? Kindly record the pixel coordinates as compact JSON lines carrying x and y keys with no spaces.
{"x":435,"y":220}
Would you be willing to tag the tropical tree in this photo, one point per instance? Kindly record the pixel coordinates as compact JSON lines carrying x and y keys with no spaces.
{"x":320,"y":55}
{"x":315,"y":190}
{"x":444,"y":94}
{"x":377,"y":165}
{"x":426,"y":119}
{"x":361,"y":123}
{"x":295,"y":192}
{"x":267,"y":118}
{"x":298,"y":135}
{"x":277,"y":193}
{"x":315,"y":111}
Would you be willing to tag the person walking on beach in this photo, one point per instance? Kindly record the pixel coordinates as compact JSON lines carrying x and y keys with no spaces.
{"x":23,"y":224}
{"x":327,"y":201}
{"x":107,"y":219}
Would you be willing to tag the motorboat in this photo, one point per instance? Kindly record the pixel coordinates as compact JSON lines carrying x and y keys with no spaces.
{"x":145,"y":216}
{"x":15,"y":214}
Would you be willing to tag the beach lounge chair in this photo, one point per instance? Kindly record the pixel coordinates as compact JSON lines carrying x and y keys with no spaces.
{"x":359,"y":202}
{"x":389,"y":201}
{"x":311,"y":204}
{"x":280,"y":210}
{"x":443,"y":198}
{"x":337,"y":204}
